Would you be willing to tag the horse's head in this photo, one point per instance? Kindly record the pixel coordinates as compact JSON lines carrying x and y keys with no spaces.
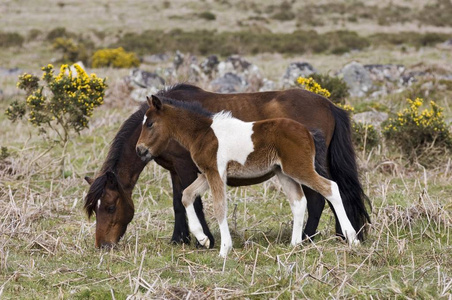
{"x":154,"y":137}
{"x":113,"y":207}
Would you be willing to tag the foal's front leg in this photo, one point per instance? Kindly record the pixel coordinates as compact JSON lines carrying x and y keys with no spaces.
{"x":198,"y":187}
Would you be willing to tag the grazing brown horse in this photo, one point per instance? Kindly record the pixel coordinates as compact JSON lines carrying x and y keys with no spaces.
{"x":110,"y":193}
{"x":222,"y":146}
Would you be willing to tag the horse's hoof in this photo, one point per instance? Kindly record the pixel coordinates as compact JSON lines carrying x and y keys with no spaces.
{"x":205,"y":242}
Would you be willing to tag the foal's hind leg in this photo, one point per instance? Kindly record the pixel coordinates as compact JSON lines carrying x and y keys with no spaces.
{"x":198,"y":187}
{"x":327,"y":189}
{"x":297,"y":201}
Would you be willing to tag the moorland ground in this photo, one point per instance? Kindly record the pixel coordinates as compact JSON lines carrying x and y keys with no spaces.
{"x":47,"y":243}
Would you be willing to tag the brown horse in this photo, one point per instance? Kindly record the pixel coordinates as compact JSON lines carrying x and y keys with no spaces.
{"x":222,"y":146}
{"x":114,"y":184}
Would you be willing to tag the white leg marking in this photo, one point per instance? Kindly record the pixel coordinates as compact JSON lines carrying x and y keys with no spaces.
{"x":298,"y":210}
{"x":195,"y":226}
{"x":226,"y":240}
{"x":347,"y":228}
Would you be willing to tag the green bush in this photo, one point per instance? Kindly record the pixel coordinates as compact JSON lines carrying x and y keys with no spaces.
{"x":72,"y":51}
{"x":364,"y":136}
{"x":244,"y":42}
{"x":116,"y":58}
{"x":419,"y":134}
{"x":59,"y":32}
{"x":207,"y":15}
{"x":336,"y":86}
{"x":10,"y":39}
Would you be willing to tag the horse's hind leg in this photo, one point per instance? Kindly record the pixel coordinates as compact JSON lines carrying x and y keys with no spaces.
{"x":297,"y":201}
{"x":198,"y":187}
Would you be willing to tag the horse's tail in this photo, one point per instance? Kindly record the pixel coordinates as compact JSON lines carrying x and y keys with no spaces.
{"x":344,"y":171}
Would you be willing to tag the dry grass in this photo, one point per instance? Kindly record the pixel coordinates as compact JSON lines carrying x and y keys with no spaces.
{"x":46,"y":243}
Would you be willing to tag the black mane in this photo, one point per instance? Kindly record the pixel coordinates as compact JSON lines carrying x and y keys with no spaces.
{"x":193,"y":106}
{"x":120,"y":141}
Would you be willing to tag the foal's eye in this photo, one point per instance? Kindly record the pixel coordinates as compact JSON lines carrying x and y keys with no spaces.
{"x":149,"y":124}
{"x":110,"y":209}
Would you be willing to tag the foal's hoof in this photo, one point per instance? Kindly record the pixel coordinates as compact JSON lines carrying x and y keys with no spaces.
{"x":205,"y":242}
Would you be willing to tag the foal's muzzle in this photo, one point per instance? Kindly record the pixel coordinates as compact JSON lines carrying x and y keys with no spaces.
{"x":144,"y":153}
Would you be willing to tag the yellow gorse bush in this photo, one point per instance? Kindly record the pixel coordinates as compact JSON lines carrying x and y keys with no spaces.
{"x":63,"y":104}
{"x":311,"y":85}
{"x":414,"y":128}
{"x":116,"y":58}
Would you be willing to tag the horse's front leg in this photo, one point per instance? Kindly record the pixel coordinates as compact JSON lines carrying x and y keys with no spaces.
{"x":218,"y":188}
{"x":181,"y":233}
{"x":198,"y":187}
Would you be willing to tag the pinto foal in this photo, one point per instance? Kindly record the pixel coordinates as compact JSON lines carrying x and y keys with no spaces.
{"x":222,"y":146}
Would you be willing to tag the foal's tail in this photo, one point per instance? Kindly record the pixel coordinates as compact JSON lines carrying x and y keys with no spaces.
{"x":344,"y":171}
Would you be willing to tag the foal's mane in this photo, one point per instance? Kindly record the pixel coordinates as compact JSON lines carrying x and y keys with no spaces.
{"x":120,"y":141}
{"x":194,"y":106}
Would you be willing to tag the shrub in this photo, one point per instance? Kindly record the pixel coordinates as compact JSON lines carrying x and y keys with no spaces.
{"x":419,"y":133}
{"x":72,"y":52}
{"x":10,"y":39}
{"x":335,"y":85}
{"x":63,"y":104}
{"x":59,"y":32}
{"x":207,"y":15}
{"x":311,"y":85}
{"x":116,"y":58}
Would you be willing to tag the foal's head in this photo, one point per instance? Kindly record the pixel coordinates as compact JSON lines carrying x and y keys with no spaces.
{"x":113,"y":207}
{"x":154,"y":137}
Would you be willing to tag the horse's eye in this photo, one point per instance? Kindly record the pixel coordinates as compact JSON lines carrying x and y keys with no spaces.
{"x":149,"y":124}
{"x":110,"y":209}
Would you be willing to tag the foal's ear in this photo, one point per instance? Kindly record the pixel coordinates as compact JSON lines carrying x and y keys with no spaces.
{"x":156,"y":102}
{"x":89,"y":180}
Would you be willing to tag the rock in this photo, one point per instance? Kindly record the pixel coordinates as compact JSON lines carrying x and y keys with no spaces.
{"x":155,"y":58}
{"x":389,"y":72}
{"x":357,"y":78}
{"x":12,"y":71}
{"x":371,"y":117}
{"x":229,"y":83}
{"x":267,"y":85}
{"x":195,"y":74}
{"x":295,"y":70}
{"x":144,"y":79}
{"x":247,"y":71}
{"x":178,"y":60}
{"x":210,"y":65}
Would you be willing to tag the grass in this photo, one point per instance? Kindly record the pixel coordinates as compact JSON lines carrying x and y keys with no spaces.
{"x":47,"y":244}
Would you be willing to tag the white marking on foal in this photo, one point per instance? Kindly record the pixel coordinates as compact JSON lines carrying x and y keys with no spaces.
{"x":234,"y":140}
{"x":144,"y":119}
{"x":347,"y":228}
{"x":298,"y":210}
{"x":195,"y":226}
{"x":98,"y":204}
{"x":226,"y":240}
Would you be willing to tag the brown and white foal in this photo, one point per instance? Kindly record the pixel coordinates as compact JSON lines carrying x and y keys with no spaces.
{"x":222,"y":146}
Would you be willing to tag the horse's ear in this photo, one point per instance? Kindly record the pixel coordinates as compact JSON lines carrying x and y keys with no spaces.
{"x":89,"y":180}
{"x":156,"y":102}
{"x":112,"y":182}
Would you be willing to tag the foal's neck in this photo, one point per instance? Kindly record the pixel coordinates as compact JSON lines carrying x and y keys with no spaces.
{"x":187,"y":127}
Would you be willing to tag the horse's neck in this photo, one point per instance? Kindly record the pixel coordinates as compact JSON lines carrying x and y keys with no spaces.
{"x":129,"y":165}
